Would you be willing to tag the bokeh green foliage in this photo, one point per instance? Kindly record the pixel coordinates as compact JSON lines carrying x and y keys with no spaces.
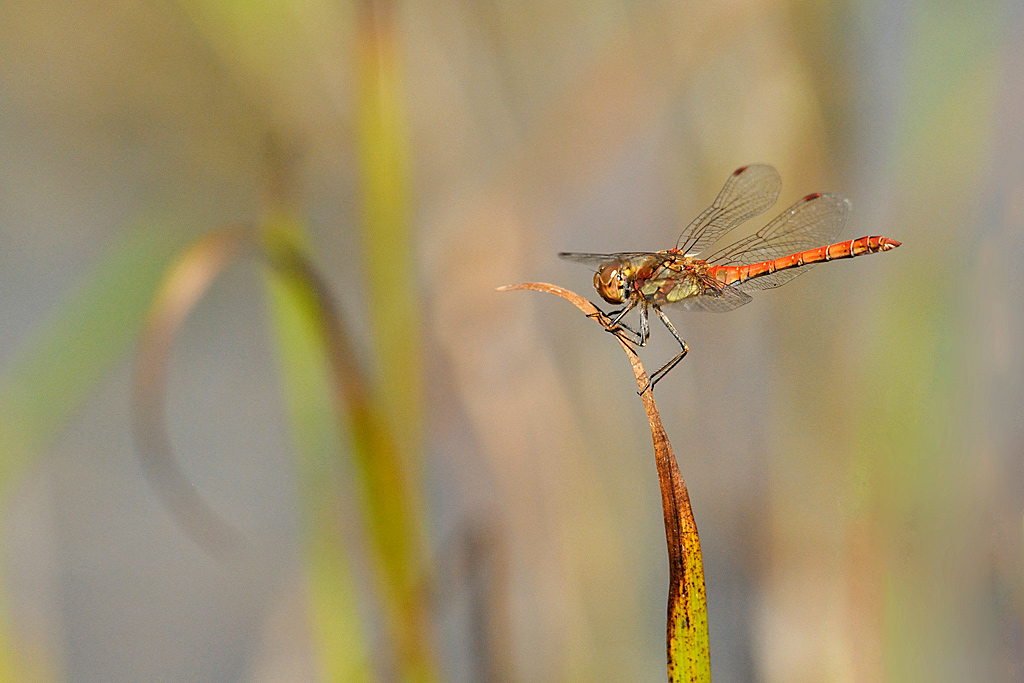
{"x":913,"y":458}
{"x":384,"y":422}
{"x":42,"y":388}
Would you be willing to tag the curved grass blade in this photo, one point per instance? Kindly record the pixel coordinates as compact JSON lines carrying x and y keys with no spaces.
{"x":389,"y":513}
{"x":689,"y":657}
{"x":320,"y":370}
{"x":188,"y":279}
{"x":342,"y":650}
{"x":336,"y":557}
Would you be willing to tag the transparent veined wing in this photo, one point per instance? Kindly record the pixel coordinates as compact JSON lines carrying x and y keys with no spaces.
{"x":722,"y":300}
{"x":750,"y":191}
{"x":814,"y":221}
{"x":598,"y":259}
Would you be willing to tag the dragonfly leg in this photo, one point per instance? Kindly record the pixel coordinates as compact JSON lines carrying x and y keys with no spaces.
{"x":639,"y":338}
{"x":612,"y":321}
{"x":615,"y":317}
{"x":664,"y":370}
{"x":645,"y":327}
{"x":624,"y":331}
{"x":627,"y":333}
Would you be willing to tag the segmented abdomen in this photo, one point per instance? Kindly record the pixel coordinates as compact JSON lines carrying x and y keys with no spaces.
{"x":863,"y":245}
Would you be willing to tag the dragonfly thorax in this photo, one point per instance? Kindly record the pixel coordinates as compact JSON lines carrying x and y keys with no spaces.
{"x":612,"y":281}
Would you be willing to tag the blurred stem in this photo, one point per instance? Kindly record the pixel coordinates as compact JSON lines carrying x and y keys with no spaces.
{"x":396,"y":413}
{"x":390,"y":520}
{"x":387,"y":238}
{"x":298,"y":328}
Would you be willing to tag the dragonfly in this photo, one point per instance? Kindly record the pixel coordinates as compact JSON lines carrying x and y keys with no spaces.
{"x":799,"y":237}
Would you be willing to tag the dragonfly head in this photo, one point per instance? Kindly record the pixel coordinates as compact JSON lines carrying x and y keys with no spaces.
{"x":612,"y":281}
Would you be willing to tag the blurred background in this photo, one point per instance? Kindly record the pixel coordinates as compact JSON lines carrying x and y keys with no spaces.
{"x":852,"y":442}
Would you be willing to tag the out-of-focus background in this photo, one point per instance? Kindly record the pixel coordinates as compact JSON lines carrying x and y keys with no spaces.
{"x":852,"y":442}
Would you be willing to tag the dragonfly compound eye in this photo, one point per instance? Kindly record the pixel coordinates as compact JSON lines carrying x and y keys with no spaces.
{"x":610,"y":283}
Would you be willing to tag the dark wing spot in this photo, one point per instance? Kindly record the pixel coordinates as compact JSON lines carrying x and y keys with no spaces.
{"x":812,"y":196}
{"x":739,"y":170}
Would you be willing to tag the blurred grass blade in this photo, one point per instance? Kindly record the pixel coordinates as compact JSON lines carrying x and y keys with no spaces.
{"x":689,"y":658}
{"x":393,"y":433}
{"x":336,"y":621}
{"x":325,"y":389}
{"x":187,"y":281}
{"x":47,"y":381}
{"x":387,"y":236}
{"x":302,"y":303}
{"x":298,"y":328}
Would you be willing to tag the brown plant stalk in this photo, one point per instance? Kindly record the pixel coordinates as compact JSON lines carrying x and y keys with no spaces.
{"x":687,"y":631}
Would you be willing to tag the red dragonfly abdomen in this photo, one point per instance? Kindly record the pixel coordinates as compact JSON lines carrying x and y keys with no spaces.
{"x":864,"y":245}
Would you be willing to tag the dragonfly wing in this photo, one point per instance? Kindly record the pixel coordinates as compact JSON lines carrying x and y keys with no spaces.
{"x":589,"y":259}
{"x":772,"y":281}
{"x":725,"y":299}
{"x":815,"y":220}
{"x":598,"y":259}
{"x":750,"y":191}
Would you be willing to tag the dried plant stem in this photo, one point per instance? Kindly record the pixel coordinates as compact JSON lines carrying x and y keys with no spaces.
{"x":687,"y":637}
